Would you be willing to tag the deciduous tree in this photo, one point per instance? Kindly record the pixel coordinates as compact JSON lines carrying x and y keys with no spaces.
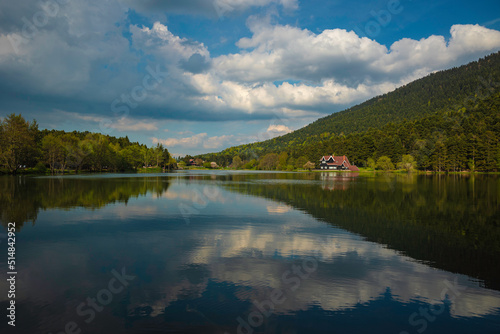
{"x":269,"y":161}
{"x":236,"y":164}
{"x":309,"y":165}
{"x":407,"y":163}
{"x":17,"y":141}
{"x":385,"y":163}
{"x":52,"y":151}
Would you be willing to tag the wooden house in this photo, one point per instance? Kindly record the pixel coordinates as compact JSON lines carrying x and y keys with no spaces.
{"x":340,"y":162}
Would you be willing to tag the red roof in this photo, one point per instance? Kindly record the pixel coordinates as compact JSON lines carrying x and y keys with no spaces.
{"x":339,"y":161}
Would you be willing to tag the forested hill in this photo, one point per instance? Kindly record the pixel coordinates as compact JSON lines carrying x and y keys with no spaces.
{"x":440,"y":91}
{"x":436,"y":93}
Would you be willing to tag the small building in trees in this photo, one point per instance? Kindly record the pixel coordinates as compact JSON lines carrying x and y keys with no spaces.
{"x":336,"y":163}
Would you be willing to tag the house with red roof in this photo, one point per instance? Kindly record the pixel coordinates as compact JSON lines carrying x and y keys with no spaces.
{"x":340,"y":162}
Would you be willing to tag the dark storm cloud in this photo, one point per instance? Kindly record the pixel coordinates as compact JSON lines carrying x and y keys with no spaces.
{"x":195,"y":64}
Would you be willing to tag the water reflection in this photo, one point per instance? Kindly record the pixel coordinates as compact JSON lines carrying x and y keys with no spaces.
{"x":448,"y":222}
{"x":22,"y":198}
{"x":247,"y":241}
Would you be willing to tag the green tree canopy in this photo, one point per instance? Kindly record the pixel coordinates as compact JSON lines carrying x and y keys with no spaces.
{"x":407,"y":163}
{"x":17,"y":142}
{"x":309,"y":165}
{"x":385,"y":163}
{"x":269,"y":162}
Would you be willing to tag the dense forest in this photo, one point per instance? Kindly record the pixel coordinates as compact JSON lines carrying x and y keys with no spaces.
{"x":25,"y":148}
{"x":447,"y":121}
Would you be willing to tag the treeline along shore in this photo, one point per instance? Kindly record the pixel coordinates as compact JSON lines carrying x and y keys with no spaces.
{"x":26,"y":149}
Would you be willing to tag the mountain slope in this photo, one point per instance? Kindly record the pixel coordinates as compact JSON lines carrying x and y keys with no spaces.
{"x":437,"y":93}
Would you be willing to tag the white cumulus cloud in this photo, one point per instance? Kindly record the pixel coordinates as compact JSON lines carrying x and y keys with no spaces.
{"x":200,"y":140}
{"x":278,"y":129}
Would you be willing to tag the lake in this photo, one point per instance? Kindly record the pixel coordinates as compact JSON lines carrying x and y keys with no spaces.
{"x":253,"y":252}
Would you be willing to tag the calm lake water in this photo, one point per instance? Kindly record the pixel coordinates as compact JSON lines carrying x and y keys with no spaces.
{"x":241,"y":252}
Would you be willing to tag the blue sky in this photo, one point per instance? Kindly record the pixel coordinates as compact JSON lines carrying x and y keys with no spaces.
{"x":203,"y":75}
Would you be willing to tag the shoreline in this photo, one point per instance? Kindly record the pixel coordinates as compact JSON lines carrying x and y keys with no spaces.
{"x":159,"y":170}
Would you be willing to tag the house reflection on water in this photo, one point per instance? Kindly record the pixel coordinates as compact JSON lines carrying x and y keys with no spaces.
{"x":337,"y":180}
